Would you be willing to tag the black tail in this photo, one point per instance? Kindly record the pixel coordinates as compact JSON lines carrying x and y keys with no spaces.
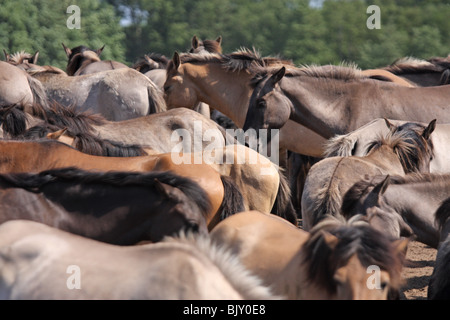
{"x":233,"y":201}
{"x":283,"y":206}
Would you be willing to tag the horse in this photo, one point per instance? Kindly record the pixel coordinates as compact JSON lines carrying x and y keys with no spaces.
{"x":399,"y":153}
{"x":83,"y":60}
{"x":204,"y":46}
{"x":404,"y":205}
{"x":183,"y":267}
{"x":36,"y":156}
{"x":118,"y":94}
{"x":329,"y":262}
{"x":439,"y":285}
{"x":171,"y":126}
{"x":262,"y":183}
{"x":222,"y":81}
{"x":334,"y":100}
{"x":356,"y":142}
{"x":122,"y":208}
{"x":84,"y":142}
{"x":424,"y":73}
{"x":16,"y":86}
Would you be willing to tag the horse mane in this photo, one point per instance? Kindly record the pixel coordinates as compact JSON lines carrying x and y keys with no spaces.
{"x":343,"y":72}
{"x":86,"y":142}
{"x":339,"y":146}
{"x":68,"y":117}
{"x":242,"y":60}
{"x":412,"y":65}
{"x":19,"y":57}
{"x":241,"y":279}
{"x":13,"y":119}
{"x":408,"y":144}
{"x":151,"y":61}
{"x":36,"y":181}
{"x":355,"y":236}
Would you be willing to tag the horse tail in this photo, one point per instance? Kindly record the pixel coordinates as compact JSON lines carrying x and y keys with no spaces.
{"x":233,"y":201}
{"x":283,"y":205}
{"x":39,"y":95}
{"x":156,"y":100}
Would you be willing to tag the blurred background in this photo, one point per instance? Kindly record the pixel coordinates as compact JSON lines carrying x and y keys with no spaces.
{"x":308,"y":32}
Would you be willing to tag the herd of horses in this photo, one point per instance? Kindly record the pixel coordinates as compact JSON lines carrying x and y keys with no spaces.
{"x":89,"y":176}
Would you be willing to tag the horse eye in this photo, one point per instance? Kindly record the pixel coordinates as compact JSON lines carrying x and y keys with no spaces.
{"x":262,"y":104}
{"x":383,"y":285}
{"x":167,"y":88}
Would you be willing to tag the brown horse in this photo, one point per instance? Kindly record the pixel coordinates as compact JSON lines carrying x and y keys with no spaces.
{"x":35,"y":156}
{"x":329,"y":262}
{"x":223,"y":81}
{"x":121,"y":208}
{"x":423,"y":73}
{"x":334,"y":100}
{"x":82,"y":60}
{"x":182,"y":268}
{"x":202,"y":46}
{"x":402,"y":151}
{"x":262,"y":183}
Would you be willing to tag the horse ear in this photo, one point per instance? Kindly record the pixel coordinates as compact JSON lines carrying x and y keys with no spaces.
{"x":35,"y":57}
{"x":401,"y":246}
{"x":390,"y":125}
{"x":380,"y":189}
{"x":57,"y":134}
{"x":165,"y":189}
{"x":99,"y":51}
{"x":330,"y":240}
{"x":176,"y":60}
{"x":429,"y":130}
{"x":277,"y":76}
{"x":67,"y":50}
{"x":219,"y":40}
{"x":194,"y":42}
{"x":7,"y":55}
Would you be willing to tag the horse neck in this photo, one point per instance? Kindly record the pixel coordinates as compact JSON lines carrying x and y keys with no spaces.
{"x":385,"y":158}
{"x":318,"y":104}
{"x":413,"y":203}
{"x":225,"y":91}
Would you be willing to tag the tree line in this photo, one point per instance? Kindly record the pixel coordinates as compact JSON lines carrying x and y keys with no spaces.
{"x":307,"y":32}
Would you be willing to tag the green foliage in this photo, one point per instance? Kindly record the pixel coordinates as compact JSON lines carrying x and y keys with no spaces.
{"x":330,"y":31}
{"x":33,"y":25}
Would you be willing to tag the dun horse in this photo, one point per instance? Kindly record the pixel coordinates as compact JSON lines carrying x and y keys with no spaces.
{"x":182,"y":268}
{"x":116,"y":94}
{"x":334,"y":100}
{"x":406,"y":204}
{"x":82,"y":60}
{"x":399,"y":153}
{"x":329,"y":262}
{"x":356,"y":142}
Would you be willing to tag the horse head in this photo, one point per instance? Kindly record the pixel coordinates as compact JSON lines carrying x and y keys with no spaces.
{"x":366,"y":198}
{"x":212,"y":46}
{"x":351,"y":260}
{"x":267,"y":93}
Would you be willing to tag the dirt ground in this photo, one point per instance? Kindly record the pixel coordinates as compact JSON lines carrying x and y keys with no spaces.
{"x":418,"y":268}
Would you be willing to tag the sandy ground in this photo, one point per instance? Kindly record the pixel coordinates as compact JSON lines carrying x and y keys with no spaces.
{"x":418,"y":268}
